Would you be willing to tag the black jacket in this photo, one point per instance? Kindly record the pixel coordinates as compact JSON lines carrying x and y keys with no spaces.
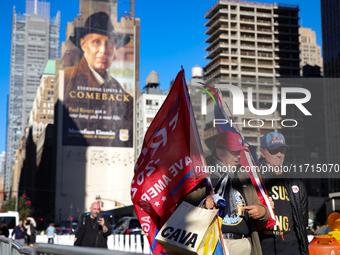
{"x":299,"y":203}
{"x":97,"y":237}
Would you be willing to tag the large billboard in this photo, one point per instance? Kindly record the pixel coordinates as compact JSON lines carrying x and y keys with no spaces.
{"x":99,"y":80}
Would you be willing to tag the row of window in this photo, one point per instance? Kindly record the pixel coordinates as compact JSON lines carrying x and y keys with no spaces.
{"x":49,"y":105}
{"x":48,"y":111}
{"x":308,"y":46}
{"x":152,"y":102}
{"x":44,"y":117}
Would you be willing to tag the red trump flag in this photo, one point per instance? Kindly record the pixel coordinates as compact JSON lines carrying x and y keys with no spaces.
{"x":165,"y":169}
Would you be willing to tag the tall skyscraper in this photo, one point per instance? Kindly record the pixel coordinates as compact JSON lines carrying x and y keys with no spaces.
{"x":310,"y":51}
{"x":253,"y":45}
{"x":330,"y":20}
{"x":35,"y":39}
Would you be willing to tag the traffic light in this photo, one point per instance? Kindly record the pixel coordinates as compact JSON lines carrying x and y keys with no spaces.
{"x":27,"y":202}
{"x":5,"y":195}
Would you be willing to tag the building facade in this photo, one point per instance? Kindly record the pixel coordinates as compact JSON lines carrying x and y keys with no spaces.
{"x":95,"y":154}
{"x":2,"y":163}
{"x":42,"y":112}
{"x":330,"y":20}
{"x":197,"y":96}
{"x":2,"y":171}
{"x":310,"y":51}
{"x":35,"y":39}
{"x":253,"y":45}
{"x":147,"y":106}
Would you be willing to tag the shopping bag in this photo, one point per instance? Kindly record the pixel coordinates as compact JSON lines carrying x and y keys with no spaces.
{"x":185,"y":230}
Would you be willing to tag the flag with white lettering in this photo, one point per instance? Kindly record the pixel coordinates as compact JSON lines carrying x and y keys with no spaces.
{"x":248,"y":156}
{"x":165,"y":169}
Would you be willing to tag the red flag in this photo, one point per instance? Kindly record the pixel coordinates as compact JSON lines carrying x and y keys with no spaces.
{"x":165,"y":169}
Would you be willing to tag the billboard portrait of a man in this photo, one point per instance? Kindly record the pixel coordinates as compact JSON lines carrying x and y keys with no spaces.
{"x":98,"y":111}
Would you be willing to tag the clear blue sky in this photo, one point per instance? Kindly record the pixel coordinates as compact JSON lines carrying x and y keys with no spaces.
{"x":172,"y":34}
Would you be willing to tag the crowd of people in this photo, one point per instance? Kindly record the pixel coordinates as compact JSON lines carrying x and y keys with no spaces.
{"x":25,"y":232}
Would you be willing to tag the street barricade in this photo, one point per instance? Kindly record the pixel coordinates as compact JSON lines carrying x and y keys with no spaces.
{"x":126,"y":243}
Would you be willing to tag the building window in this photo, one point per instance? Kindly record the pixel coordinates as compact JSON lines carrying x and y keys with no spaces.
{"x":303,"y":39}
{"x":152,"y":102}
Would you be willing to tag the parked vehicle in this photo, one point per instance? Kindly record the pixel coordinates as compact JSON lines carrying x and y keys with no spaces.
{"x":11,"y":218}
{"x":128,"y":225}
{"x":62,"y":230}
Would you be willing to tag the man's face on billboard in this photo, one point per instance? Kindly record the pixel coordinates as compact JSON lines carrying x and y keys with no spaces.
{"x":98,"y":51}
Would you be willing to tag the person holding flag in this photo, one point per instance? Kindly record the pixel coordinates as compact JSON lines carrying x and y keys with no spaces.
{"x":242,"y":213}
{"x":165,"y":170}
{"x":290,"y":200}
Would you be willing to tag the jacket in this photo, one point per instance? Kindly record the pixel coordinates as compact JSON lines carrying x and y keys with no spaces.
{"x":94,"y":114}
{"x":19,"y":234}
{"x":50,"y":231}
{"x":252,"y":199}
{"x":100,"y":239}
{"x":299,"y":204}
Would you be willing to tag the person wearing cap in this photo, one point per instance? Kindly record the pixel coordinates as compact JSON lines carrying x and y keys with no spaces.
{"x":93,"y":99}
{"x":290,"y":201}
{"x":243,"y":212}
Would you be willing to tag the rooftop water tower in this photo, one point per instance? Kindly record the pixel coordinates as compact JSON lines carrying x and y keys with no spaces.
{"x":197,"y":72}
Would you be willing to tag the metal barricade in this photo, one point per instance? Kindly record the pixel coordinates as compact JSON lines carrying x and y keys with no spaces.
{"x":10,"y":247}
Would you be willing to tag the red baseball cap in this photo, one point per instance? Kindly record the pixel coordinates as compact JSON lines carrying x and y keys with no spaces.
{"x":231,"y":141}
